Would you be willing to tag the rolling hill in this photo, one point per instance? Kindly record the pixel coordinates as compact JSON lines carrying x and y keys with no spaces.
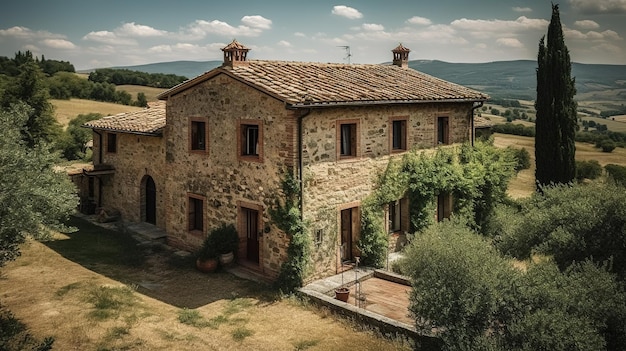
{"x":500,"y":79}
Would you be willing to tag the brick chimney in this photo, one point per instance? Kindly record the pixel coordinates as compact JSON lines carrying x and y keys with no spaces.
{"x":235,"y":54}
{"x":401,"y":56}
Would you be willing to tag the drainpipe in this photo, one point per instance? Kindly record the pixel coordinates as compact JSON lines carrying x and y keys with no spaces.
{"x":474,"y":107}
{"x":303,"y":113}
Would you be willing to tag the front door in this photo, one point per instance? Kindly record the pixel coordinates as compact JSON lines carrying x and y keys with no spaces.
{"x":150,"y":201}
{"x":251,"y":228}
{"x":346,"y":235}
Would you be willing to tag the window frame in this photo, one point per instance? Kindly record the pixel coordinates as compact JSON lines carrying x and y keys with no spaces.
{"x":404,"y":134}
{"x":194,"y":199}
{"x":192,"y":148}
{"x":242,"y":140}
{"x":355,"y":139}
{"x":111,"y":146}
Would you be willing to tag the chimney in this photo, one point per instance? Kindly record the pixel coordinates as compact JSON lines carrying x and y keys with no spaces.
{"x":235,"y":54}
{"x":401,"y":56}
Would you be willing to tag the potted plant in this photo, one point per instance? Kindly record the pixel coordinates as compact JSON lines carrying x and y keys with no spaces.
{"x":207,"y":259}
{"x":226,"y":242}
{"x":342,"y":293}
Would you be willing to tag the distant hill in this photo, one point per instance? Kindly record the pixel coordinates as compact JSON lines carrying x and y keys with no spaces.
{"x":500,"y":79}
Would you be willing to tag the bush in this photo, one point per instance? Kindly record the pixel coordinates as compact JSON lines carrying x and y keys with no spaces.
{"x":225,"y":238}
{"x":569,"y":223}
{"x":522,"y":158}
{"x":514,"y":129}
{"x":607,"y":145}
{"x":471,"y":297}
{"x":617,"y":172}
{"x":588,"y":170}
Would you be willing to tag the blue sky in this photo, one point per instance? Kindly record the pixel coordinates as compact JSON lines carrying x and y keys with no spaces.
{"x":94,"y":33}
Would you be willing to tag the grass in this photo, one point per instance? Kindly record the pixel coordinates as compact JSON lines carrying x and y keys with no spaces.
{"x":612,"y":125}
{"x":66,"y":110}
{"x":109,"y":301}
{"x":151,"y":93}
{"x":241,"y":333}
{"x":523,"y":184}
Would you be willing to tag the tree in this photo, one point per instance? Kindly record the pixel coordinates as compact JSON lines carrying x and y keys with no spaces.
{"x":142,"y":101}
{"x":33,"y":196}
{"x":29,"y":87}
{"x":556,"y":109}
{"x":73,"y":144}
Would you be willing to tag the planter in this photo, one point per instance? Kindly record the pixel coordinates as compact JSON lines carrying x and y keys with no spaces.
{"x":207,"y":265}
{"x":342,"y":294}
{"x":227,"y":258}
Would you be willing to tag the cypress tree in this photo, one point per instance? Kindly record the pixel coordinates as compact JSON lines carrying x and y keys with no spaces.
{"x":556,"y":109}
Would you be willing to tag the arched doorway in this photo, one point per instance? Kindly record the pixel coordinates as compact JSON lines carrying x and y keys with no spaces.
{"x":150,"y":200}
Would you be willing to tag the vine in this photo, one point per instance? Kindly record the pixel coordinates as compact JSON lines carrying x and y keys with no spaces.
{"x":287,"y":217}
{"x":476,"y":176}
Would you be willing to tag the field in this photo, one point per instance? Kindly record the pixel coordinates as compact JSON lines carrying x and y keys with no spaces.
{"x":96,"y":290}
{"x":616,"y":125}
{"x":66,"y":110}
{"x":523,"y":184}
{"x":151,"y":93}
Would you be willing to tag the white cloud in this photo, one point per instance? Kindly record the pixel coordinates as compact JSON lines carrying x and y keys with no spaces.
{"x":284,"y":44}
{"x":419,"y":21}
{"x":138,"y":30}
{"x":372,"y":27}
{"x":106,"y":37}
{"x":347,"y":12}
{"x":259,"y":22}
{"x":200,"y":29}
{"x":510,"y":42}
{"x":58,"y":43}
{"x":299,"y":34}
{"x":599,"y":6}
{"x":591,"y":35}
{"x":587,"y":24}
{"x":19,"y":32}
{"x":522,"y":23}
{"x":522,"y":9}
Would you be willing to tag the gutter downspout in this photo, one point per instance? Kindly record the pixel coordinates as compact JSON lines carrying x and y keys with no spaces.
{"x":303,"y":113}
{"x":474,"y":107}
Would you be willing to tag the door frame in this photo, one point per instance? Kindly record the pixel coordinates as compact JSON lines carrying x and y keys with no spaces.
{"x":143,"y":201}
{"x":242,"y":254}
{"x":355,"y":231}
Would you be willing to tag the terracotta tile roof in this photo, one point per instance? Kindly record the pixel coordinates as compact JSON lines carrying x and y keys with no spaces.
{"x":149,"y":121}
{"x":325,"y":84}
{"x":482,"y":122}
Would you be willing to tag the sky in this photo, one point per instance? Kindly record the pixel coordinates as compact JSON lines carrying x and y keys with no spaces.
{"x":95,"y":33}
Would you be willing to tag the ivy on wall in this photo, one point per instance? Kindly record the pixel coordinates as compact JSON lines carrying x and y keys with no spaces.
{"x":476,"y":177}
{"x":287,"y":217}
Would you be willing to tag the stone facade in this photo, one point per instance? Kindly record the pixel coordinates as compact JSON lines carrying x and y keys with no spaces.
{"x":136,"y":158}
{"x":225,"y":180}
{"x":332,"y":184}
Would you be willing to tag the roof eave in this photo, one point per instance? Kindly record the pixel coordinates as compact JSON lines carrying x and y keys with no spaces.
{"x":156,"y":133}
{"x":381,"y":102}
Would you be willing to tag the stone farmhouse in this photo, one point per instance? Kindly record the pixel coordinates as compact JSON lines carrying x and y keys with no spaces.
{"x":218,"y":149}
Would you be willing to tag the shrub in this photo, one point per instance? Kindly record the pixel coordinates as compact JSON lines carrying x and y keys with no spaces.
{"x":225,"y":239}
{"x":514,"y":129}
{"x":588,"y":170}
{"x":607,"y":145}
{"x":617,"y":172}
{"x":522,"y":158}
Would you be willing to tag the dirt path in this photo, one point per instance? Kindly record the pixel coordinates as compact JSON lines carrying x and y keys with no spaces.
{"x":55,"y":296}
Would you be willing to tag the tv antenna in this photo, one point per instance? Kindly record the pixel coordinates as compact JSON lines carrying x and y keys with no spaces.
{"x":348,"y":53}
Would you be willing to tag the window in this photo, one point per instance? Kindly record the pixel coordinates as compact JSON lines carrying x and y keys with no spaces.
{"x":111,"y":142}
{"x":443,"y":130}
{"x":444,"y":206}
{"x":251,"y":141}
{"x":196,"y":213}
{"x":198,"y":135}
{"x":398,"y":135}
{"x":347,"y":139}
{"x":395,"y":216}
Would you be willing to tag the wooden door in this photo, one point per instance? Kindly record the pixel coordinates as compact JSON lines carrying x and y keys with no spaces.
{"x":346,"y":235}
{"x":150,"y":201}
{"x":251,"y":228}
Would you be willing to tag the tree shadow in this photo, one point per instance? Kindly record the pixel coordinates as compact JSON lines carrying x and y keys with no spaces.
{"x":153,"y":270}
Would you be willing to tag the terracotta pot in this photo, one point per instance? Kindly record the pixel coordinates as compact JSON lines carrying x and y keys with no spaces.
{"x":227,"y":258}
{"x":207,"y":265}
{"x":342,"y":294}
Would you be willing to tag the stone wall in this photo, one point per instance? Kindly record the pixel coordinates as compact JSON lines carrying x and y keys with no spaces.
{"x":224,"y":179}
{"x":331,"y":185}
{"x":136,"y":158}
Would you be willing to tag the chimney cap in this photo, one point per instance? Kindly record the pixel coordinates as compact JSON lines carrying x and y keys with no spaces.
{"x":401,"y":48}
{"x":235,"y":45}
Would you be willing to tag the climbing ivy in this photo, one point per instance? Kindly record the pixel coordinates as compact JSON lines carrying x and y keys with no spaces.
{"x":286,"y":215}
{"x":476,"y":176}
